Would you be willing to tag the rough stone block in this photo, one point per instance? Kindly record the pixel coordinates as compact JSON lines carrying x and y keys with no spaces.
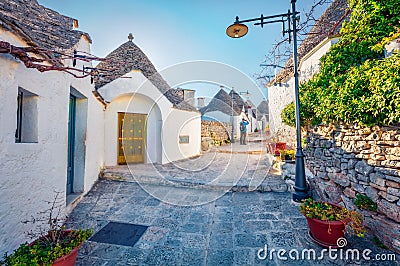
{"x":363,"y":145}
{"x":391,"y":164}
{"x":378,"y":187}
{"x":340,"y":179}
{"x":393,"y":191}
{"x":392,"y":157}
{"x":363,"y":168}
{"x":374,"y":136}
{"x":385,"y":229}
{"x":391,"y":210}
{"x":376,"y":149}
{"x":392,"y":184}
{"x":318,"y":153}
{"x":365,"y":131}
{"x":336,"y":162}
{"x":378,"y":179}
{"x":322,"y":175}
{"x":349,"y":193}
{"x":387,"y":136}
{"x":393,"y":150}
{"x":377,"y":157}
{"x":388,"y":171}
{"x":348,"y":203}
{"x":343,"y":166}
{"x":387,"y":196}
{"x":349,"y":156}
{"x":373,"y":162}
{"x":363,"y":156}
{"x":389,"y":143}
{"x":362,"y":177}
{"x":333,"y":192}
{"x":358,"y":187}
{"x":392,"y":178}
{"x":372,"y":193}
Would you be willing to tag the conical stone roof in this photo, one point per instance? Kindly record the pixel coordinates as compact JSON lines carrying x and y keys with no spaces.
{"x":222,"y":102}
{"x":263,"y":107}
{"x":40,"y":26}
{"x":128,"y":57}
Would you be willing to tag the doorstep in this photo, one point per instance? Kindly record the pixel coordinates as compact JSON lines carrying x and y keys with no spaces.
{"x":72,"y":200}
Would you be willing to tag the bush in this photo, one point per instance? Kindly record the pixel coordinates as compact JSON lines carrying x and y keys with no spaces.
{"x":45,"y":251}
{"x":363,"y":202}
{"x":356,"y":83}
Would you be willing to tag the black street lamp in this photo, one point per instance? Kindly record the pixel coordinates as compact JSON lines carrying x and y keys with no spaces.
{"x":271,"y":65}
{"x":237,"y":30}
{"x":274,"y":66}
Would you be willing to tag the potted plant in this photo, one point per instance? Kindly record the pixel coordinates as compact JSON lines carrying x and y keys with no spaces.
{"x":53,"y":246}
{"x":328,"y":222}
{"x":287,"y":155}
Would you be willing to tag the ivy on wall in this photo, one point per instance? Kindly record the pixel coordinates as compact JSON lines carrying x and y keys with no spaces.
{"x":356,"y":83}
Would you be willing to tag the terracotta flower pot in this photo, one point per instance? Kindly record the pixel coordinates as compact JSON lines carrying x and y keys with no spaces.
{"x":326,"y":233}
{"x":67,"y":260}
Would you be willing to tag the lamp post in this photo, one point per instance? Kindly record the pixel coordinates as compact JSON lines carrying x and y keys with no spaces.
{"x":272,"y":65}
{"x":232,"y":117}
{"x":237,"y":30}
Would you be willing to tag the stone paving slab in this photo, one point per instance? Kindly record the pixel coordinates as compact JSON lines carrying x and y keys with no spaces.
{"x":227,"y":231}
{"x":231,"y":167}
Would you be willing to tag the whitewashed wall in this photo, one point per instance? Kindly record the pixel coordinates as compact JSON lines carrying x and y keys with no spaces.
{"x":165,"y":123}
{"x":280,"y":96}
{"x":180,"y":123}
{"x":310,"y":63}
{"x":30,"y":173}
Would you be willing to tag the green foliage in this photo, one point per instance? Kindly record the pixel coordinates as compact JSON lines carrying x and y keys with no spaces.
{"x":355,"y":82}
{"x":288,"y":115}
{"x":44,"y":251}
{"x":289,"y":153}
{"x":363,"y":202}
{"x":51,"y":243}
{"x":379,"y":243}
{"x":327,"y":212}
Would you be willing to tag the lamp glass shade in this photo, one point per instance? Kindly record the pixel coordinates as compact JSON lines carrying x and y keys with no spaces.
{"x":237,"y":30}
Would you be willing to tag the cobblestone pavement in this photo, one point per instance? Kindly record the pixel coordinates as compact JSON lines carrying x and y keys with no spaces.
{"x":224,"y":228}
{"x":231,"y":167}
{"x":228,"y":231}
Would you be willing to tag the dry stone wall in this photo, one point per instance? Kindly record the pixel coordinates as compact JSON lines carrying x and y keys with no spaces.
{"x":346,"y":160}
{"x":214,"y":133}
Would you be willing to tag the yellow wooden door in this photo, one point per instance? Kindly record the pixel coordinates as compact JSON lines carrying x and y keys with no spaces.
{"x":131,"y":138}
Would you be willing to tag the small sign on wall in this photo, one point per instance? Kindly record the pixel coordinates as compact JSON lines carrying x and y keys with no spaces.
{"x":183,"y":139}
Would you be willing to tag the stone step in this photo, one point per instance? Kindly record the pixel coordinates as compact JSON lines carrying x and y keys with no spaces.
{"x":275,"y":184}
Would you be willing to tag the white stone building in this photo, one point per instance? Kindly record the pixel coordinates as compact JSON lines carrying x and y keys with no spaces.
{"x":220,"y":109}
{"x":57,"y":132}
{"x":159,"y":125}
{"x":281,"y":90}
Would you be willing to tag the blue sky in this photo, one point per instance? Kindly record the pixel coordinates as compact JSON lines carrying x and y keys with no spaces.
{"x":175,"y":31}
